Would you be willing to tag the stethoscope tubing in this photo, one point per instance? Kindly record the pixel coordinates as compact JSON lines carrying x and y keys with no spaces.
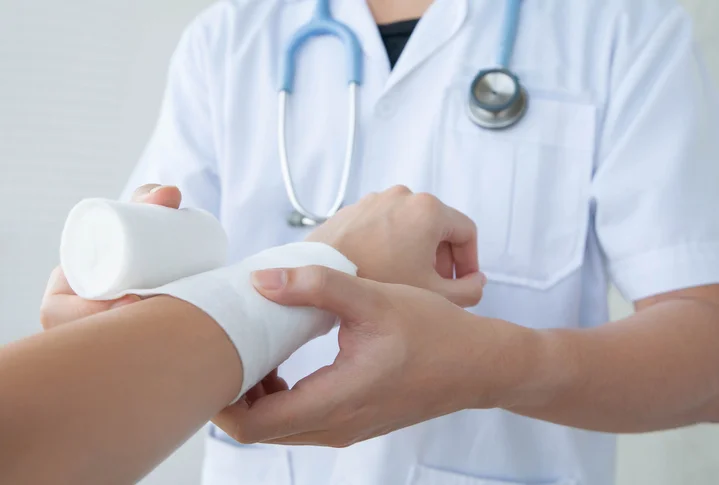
{"x":322,"y":23}
{"x":346,"y":165}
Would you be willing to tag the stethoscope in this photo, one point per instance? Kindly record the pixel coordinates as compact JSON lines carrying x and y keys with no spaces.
{"x":497,"y":100}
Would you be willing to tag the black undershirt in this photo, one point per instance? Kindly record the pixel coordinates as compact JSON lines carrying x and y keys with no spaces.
{"x":395,"y":37}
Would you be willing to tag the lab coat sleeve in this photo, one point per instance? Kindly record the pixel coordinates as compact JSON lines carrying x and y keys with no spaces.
{"x":182,"y":149}
{"x":656,"y":181}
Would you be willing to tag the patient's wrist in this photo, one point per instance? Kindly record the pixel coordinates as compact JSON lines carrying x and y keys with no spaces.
{"x":334,"y":240}
{"x":212,"y":350}
{"x":264,"y":333}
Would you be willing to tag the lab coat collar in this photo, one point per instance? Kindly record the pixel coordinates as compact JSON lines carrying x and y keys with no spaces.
{"x":438,"y":25}
{"x":358,"y":17}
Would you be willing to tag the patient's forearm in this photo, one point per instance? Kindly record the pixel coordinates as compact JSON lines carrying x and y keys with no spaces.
{"x":105,"y":399}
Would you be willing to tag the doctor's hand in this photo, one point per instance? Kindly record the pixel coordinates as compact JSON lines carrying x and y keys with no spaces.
{"x":61,"y":305}
{"x":406,"y":355}
{"x":413,"y":239}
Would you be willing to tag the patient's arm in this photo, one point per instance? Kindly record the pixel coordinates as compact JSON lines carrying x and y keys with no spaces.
{"x":107,"y":398}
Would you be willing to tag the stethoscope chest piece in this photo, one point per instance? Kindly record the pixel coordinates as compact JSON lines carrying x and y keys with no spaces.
{"x":497,"y":99}
{"x":295,"y":219}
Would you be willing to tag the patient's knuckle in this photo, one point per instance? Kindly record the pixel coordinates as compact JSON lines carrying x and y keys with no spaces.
{"x":398,"y":190}
{"x":427,"y":204}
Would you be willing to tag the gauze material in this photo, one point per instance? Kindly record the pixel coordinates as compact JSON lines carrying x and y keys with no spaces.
{"x":110,"y":249}
{"x":264,"y":333}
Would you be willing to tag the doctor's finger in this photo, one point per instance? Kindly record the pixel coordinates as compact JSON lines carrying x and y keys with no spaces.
{"x":461,"y":232}
{"x":464,"y":292}
{"x":443,"y":262}
{"x":274,"y":383}
{"x":166,"y":195}
{"x":303,"y":409}
{"x":348,"y":297}
{"x":269,"y":385}
{"x":57,"y":284}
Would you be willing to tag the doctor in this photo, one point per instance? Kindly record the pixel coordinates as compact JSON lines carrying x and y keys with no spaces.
{"x":608,"y":176}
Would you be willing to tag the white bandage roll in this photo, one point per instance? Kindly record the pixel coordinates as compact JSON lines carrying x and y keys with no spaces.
{"x":110,"y":248}
{"x":264,"y":333}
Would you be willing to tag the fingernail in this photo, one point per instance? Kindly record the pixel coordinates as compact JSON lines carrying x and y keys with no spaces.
{"x":483,"y":277}
{"x":269,"y":279}
{"x":152,"y":191}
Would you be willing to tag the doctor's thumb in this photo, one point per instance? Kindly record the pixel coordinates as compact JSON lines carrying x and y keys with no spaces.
{"x":346,"y":296}
{"x":465,"y":292}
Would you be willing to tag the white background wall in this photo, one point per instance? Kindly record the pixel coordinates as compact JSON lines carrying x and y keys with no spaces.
{"x":80,"y":86}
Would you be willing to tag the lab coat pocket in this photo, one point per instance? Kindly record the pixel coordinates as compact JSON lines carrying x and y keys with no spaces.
{"x":526,"y":187}
{"x":228,"y":463}
{"x":423,"y":475}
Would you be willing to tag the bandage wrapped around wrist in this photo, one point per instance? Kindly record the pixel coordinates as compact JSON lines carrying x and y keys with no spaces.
{"x":265,"y":334}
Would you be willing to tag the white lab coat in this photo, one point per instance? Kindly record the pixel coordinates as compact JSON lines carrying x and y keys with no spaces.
{"x":612,"y":175}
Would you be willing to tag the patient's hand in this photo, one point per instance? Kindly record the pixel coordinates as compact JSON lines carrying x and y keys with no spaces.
{"x":61,"y":305}
{"x":412,"y":239}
